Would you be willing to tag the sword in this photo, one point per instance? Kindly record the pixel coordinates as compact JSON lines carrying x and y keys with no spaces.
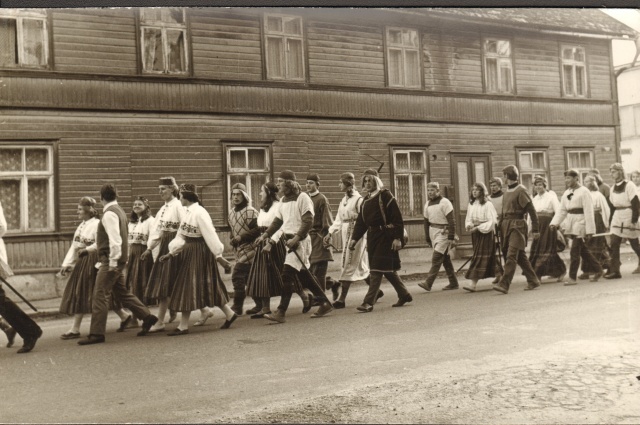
{"x":598,"y":235}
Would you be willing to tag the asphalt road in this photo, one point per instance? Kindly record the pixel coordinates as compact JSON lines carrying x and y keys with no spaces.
{"x":557,"y":354}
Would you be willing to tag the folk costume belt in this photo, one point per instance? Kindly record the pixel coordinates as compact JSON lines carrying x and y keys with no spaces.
{"x":438,"y":225}
{"x":514,"y":216}
{"x":622,"y":208}
{"x":576,"y":211}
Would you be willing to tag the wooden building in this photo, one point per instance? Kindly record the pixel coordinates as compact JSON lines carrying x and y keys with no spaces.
{"x":214,"y":96}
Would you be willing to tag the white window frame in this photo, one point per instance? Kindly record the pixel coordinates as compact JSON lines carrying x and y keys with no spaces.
{"x":247,"y":172}
{"x":24,"y":176}
{"x":582,"y":171}
{"x":285,"y":42}
{"x":32,"y":14}
{"x":574,"y":64}
{"x":534,"y":171}
{"x":404,"y":49}
{"x":410,"y":173}
{"x":163,"y":26}
{"x":500,"y":60}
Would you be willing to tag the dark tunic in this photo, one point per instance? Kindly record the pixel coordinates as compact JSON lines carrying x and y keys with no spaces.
{"x":380,"y":237}
{"x":516,"y":202}
{"x":322,"y":220}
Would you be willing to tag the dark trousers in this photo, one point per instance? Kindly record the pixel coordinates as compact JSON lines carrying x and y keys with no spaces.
{"x":107,"y":282}
{"x":580,"y":249}
{"x":376,"y":280}
{"x":438,"y":259}
{"x":289,"y":275}
{"x":239,"y":278}
{"x":615,"y":252}
{"x":517,"y":256}
{"x":319,"y":270}
{"x":18,"y":319}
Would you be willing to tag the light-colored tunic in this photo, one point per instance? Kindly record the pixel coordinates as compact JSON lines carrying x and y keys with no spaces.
{"x":482,"y":215}
{"x":600,"y":205}
{"x":167,"y":220}
{"x":83,"y":238}
{"x":355,"y":263}
{"x":577,"y":225}
{"x":547,"y":203}
{"x":621,"y":221}
{"x":139,"y":234}
{"x":196,"y":223}
{"x":291,"y":213}
{"x":436,"y":213}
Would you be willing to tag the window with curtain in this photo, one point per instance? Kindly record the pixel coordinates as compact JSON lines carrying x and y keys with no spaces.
{"x":26,"y":187}
{"x":581,"y":160}
{"x":403,"y":58}
{"x":410,"y":179}
{"x":284,"y":47}
{"x":24,"y":40}
{"x":532,"y":163}
{"x":163,"y":34}
{"x":249,"y":166}
{"x":498,"y":66}
{"x":574,"y":71}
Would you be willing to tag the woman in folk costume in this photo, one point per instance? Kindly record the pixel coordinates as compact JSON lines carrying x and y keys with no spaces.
{"x":198,"y":283}
{"x":624,"y":224}
{"x":355,"y":263}
{"x":163,"y":274}
{"x":544,"y":256}
{"x":481,"y":221}
{"x":77,"y":296}
{"x":265,"y":277}
{"x":598,"y":245}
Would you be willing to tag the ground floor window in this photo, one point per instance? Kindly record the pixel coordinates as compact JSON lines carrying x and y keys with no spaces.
{"x":581,"y":159}
{"x":249,"y":165}
{"x":410,"y":180}
{"x":531,"y":163}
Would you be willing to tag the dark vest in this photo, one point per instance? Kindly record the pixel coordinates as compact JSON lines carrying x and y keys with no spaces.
{"x":102,"y":239}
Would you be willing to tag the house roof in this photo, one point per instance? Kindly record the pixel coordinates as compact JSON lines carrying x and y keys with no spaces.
{"x":586,"y":21}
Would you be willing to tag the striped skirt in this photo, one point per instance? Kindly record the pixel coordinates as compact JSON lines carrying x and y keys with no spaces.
{"x":138,"y":271}
{"x":484,"y":262}
{"x":265,"y":276}
{"x":163,"y":275}
{"x":198,"y":283}
{"x":544,"y":256}
{"x":78,"y":294}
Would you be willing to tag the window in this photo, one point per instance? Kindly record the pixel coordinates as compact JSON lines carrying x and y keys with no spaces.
{"x":410,"y":178}
{"x":403,"y":58}
{"x":163,"y":34}
{"x":574,"y":71}
{"x":26,"y":187}
{"x":498,"y":66}
{"x":284,"y":49}
{"x":249,"y":166}
{"x":532,"y":163}
{"x":24,"y":40}
{"x":581,"y":160}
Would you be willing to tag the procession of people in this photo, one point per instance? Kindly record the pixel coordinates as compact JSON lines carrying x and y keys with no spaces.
{"x":127,"y":263}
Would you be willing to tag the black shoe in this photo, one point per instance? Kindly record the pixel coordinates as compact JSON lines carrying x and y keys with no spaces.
{"x":253,"y":310}
{"x":30,"y":342}
{"x":11,"y":336}
{"x":403,"y":300}
{"x":451,"y":286}
{"x":380,"y":294}
{"x":227,"y":323}
{"x":147,"y":322}
{"x":613,"y":275}
{"x":334,"y":291}
{"x":92,"y":339}
{"x":178,"y":331}
{"x":124,"y":324}
{"x":306,"y":305}
{"x":237,"y":309}
{"x":365,"y":308}
{"x":338,"y":305}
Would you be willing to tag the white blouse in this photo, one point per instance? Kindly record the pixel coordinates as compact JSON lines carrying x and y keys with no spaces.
{"x":83,"y":238}
{"x":196,"y":224}
{"x":576,"y":224}
{"x":139,"y":232}
{"x":600,"y":203}
{"x":291,"y":215}
{"x":167,"y":220}
{"x":347,"y":211}
{"x":482,"y":215}
{"x":547,"y":202}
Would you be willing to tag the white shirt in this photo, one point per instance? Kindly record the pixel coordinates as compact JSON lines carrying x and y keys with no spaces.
{"x":600,"y":202}
{"x":111,"y":225}
{"x":347,"y":211}
{"x":482,"y":215}
{"x":196,"y":223}
{"x":291,"y":215}
{"x":84,"y":237}
{"x":577,"y":224}
{"x":546,"y":203}
{"x":167,"y":220}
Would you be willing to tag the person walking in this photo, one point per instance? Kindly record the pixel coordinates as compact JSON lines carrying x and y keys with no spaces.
{"x":481,"y":221}
{"x":603,"y":187}
{"x":543,"y":255}
{"x":381,"y":219}
{"x":495,"y":185}
{"x":514,"y":230}
{"x":112,"y":247}
{"x":597,"y":246}
{"x":624,"y":224}
{"x":576,"y":214}
{"x":355,"y":263}
{"x":440,"y":233}
{"x":17,"y":321}
{"x":322,"y":221}
{"x":198,"y":283}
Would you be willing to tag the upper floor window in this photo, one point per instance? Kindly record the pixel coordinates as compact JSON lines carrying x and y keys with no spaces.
{"x":26,"y":187}
{"x":163,"y":35}
{"x":284,"y":47}
{"x":24,"y":40}
{"x":410,"y":178}
{"x":574,"y":71}
{"x":498,"y":66}
{"x":403,"y":58}
{"x":249,"y":166}
{"x":532,"y":163}
{"x":581,"y":160}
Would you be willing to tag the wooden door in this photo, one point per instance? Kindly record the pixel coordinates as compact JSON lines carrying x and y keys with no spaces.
{"x":467,"y":169}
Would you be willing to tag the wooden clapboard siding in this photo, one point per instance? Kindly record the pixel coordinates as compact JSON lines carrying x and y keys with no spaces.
{"x":226,"y":45}
{"x":46,"y":254}
{"x":599,"y":68}
{"x":345,"y":54}
{"x":537,"y":66}
{"x":95,"y":41}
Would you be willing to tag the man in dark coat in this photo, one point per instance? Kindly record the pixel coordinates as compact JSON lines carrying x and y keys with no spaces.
{"x":322,"y":220}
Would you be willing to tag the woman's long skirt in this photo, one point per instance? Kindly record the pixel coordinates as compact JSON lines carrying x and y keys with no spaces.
{"x":544,"y":256}
{"x":78,"y":294}
{"x":138,"y":271}
{"x":163,"y":274}
{"x":598,"y":247}
{"x":198,"y":283}
{"x":484,"y":262}
{"x":265,"y":276}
